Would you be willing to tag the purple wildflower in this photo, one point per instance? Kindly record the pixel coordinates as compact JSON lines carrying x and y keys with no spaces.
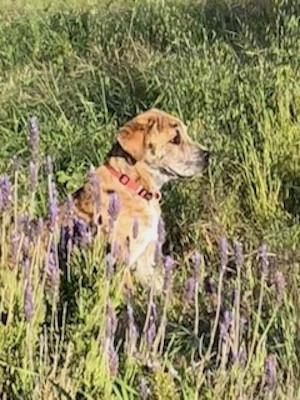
{"x":15,"y":239}
{"x":33,"y":175}
{"x":242,"y":355}
{"x":135,"y":228}
{"x":193,"y":280}
{"x":116,"y":249}
{"x":158,"y":252}
{"x":127,"y":252}
{"x":34,"y":147}
{"x":110,"y":262}
{"x":132,"y":328}
{"x":196,"y":261}
{"x":151,"y":328}
{"x":234,"y":354}
{"x":94,"y":181}
{"x":40,"y":227}
{"x":111,"y":327}
{"x":25,"y":246}
{"x":66,"y":241}
{"x":144,"y":389}
{"x":113,"y":358}
{"x":28,"y":303}
{"x":223,"y":253}
{"x":26,"y":264}
{"x":270,"y":372}
{"x":160,"y":241}
{"x":169,"y":263}
{"x":189,"y":290}
{"x":161,"y":230}
{"x":82,"y":233}
{"x":263,"y":258}
{"x":239,"y":257}
{"x":68,"y":228}
{"x":151,"y":332}
{"x":242,"y":324}
{"x":34,"y":138}
{"x":25,"y":222}
{"x":5,"y":193}
{"x":53,"y":209}
{"x":52,"y":267}
{"x":226,"y":324}
{"x":111,"y":321}
{"x":114,"y":207}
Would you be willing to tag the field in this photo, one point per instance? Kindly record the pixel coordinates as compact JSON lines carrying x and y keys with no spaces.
{"x":228,"y":324}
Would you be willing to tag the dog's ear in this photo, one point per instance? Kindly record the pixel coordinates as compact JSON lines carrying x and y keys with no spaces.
{"x":132,"y":136}
{"x":146,"y":120}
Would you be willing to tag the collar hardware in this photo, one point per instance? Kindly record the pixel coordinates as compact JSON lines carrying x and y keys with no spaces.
{"x":125,"y":180}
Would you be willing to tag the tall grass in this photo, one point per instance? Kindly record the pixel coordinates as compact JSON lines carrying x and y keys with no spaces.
{"x":227,"y":325}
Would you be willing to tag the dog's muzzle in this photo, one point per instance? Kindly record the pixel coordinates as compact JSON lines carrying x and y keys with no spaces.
{"x":204,"y":157}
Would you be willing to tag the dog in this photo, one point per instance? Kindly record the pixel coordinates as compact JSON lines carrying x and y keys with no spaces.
{"x":150,"y":150}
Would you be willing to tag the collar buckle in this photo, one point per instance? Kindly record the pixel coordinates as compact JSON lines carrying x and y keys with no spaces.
{"x":131,"y":184}
{"x":124,"y":179}
{"x":145,"y":194}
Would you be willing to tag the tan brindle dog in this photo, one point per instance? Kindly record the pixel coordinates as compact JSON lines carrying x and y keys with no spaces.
{"x":150,"y":150}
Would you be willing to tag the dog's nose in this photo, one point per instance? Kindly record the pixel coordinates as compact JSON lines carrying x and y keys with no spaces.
{"x":206,"y":157}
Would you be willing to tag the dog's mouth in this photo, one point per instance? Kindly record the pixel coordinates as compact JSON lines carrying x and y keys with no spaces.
{"x":171,"y":173}
{"x":189,"y":170}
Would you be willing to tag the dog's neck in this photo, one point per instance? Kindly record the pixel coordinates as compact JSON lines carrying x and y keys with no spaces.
{"x":139,"y":171}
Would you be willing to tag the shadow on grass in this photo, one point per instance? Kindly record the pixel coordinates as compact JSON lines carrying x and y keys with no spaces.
{"x":292,"y":200}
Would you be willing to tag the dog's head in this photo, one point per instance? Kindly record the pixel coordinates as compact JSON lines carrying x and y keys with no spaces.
{"x":161,"y":141}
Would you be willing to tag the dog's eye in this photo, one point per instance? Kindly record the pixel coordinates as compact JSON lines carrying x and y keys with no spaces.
{"x":176,"y":139}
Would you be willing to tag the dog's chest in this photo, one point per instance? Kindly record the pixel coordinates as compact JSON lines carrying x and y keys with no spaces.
{"x":152,"y":230}
{"x":148,"y":233}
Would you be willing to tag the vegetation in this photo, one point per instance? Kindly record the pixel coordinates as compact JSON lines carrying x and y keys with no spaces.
{"x":227,"y":326}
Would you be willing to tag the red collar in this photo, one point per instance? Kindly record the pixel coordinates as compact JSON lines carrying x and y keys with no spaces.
{"x":133,"y":185}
